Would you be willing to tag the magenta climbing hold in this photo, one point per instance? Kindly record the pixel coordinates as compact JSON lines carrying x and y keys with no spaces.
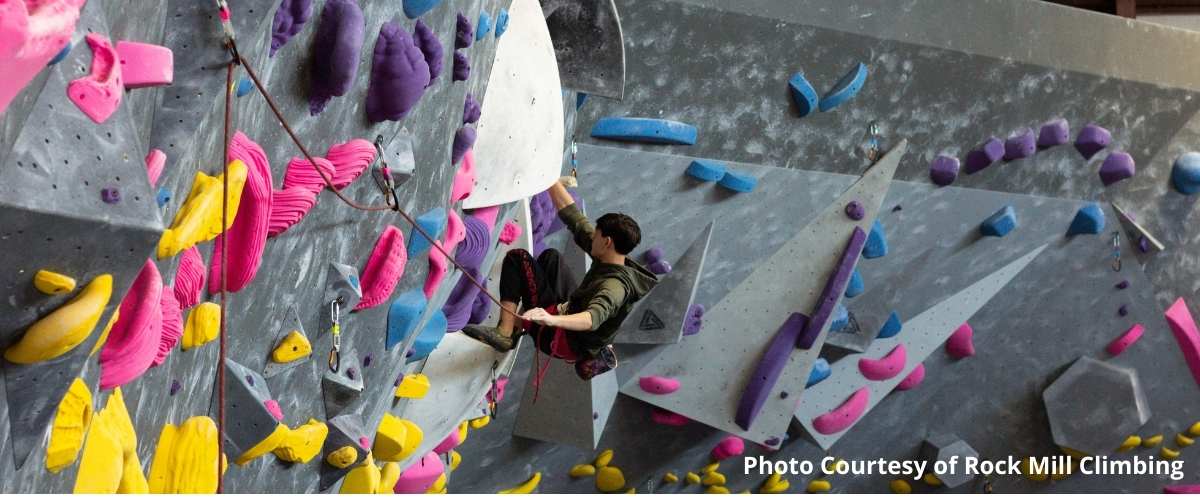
{"x":430,"y":47}
{"x":289,"y":20}
{"x":288,"y":207}
{"x":962,"y":342}
{"x":156,"y":160}
{"x":496,"y":393}
{"x":1055,"y":132}
{"x":1119,"y":344}
{"x":336,"y":48}
{"x":133,"y":340}
{"x":464,"y":140}
{"x":984,"y":156}
{"x":487,"y":215}
{"x":464,"y":178}
{"x":943,"y":170}
{"x":462,"y":67}
{"x":660,"y":385}
{"x":855,"y":210}
{"x":1181,"y":489}
{"x":464,"y":34}
{"x":99,"y":94}
{"x":471,"y":109}
{"x":145,"y":64}
{"x":437,"y":271}
{"x":172,"y":327}
{"x":349,"y":160}
{"x":273,"y":408}
{"x":189,"y":278}
{"x":886,"y":367}
{"x":729,"y":446}
{"x":913,"y":379}
{"x":510,"y":233}
{"x":666,"y":417}
{"x":1021,"y":144}
{"x":420,"y":476}
{"x":842,"y":417}
{"x":31,"y":34}
{"x":762,"y":381}
{"x":383,"y":269}
{"x":1186,"y":335}
{"x":1092,"y":139}
{"x":246,"y":238}
{"x":456,"y":230}
{"x":1117,"y":167}
{"x":834,"y":288}
{"x":399,"y":75}
{"x":452,"y":441}
{"x":300,"y":173}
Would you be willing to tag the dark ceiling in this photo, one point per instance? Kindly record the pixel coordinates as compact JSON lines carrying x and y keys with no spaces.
{"x":1134,"y":8}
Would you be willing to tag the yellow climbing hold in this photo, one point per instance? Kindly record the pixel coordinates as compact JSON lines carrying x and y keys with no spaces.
{"x":112,"y":320}
{"x":342,"y":457}
{"x":1027,"y":467}
{"x":110,"y":463}
{"x":582,"y":470}
{"x":775,"y":483}
{"x":438,"y":486}
{"x":717,"y":490}
{"x":463,"y":428}
{"x":294,"y":346}
{"x":396,"y":438}
{"x":900,"y":487}
{"x":818,"y":486}
{"x":631,"y":491}
{"x":524,"y":488}
{"x":1152,"y":441}
{"x":363,"y":479}
{"x":455,"y":460}
{"x":52,"y":283}
{"x":710,"y":467}
{"x":388,"y":478}
{"x":65,"y":328}
{"x":609,"y":479}
{"x":931,"y":479}
{"x":712,"y":478}
{"x":669,"y":478}
{"x":203,"y":325}
{"x":1194,"y":430}
{"x":199,"y":218}
{"x":1168,"y":454}
{"x":481,"y":422}
{"x":267,"y":445}
{"x":1182,"y":441}
{"x":303,"y":443}
{"x":603,"y":459}
{"x":692,"y":478}
{"x":1073,"y":453}
{"x":1063,"y":474}
{"x":71,"y":423}
{"x":186,"y":457}
{"x":1130,"y":443}
{"x":413,"y":386}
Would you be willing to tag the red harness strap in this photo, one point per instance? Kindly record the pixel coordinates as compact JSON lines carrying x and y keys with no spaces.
{"x":559,"y":348}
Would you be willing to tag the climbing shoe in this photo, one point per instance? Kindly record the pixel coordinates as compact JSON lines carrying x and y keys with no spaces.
{"x":492,"y":337}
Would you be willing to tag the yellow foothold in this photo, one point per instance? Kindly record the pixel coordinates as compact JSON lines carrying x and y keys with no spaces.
{"x":203,"y":324}
{"x":363,"y":479}
{"x":717,"y":490}
{"x":342,"y":457}
{"x":710,"y":467}
{"x":692,"y":478}
{"x":1027,"y":469}
{"x":713,"y":478}
{"x":455,"y":460}
{"x":1168,"y":454}
{"x":1063,"y":474}
{"x":931,"y":479}
{"x":835,"y":464}
{"x":303,"y":443}
{"x":1183,"y":441}
{"x":818,"y":486}
{"x":631,"y":491}
{"x":396,"y":438}
{"x":438,"y":486}
{"x":199,"y":217}
{"x":1130,"y":443}
{"x":900,"y":487}
{"x":388,"y":478}
{"x":775,"y":483}
{"x":185,"y":458}
{"x":267,"y":445}
{"x":481,"y":422}
{"x":65,"y":328}
{"x":1194,"y":430}
{"x":603,"y":459}
{"x":524,"y":488}
{"x":112,"y":320}
{"x":1152,"y":441}
{"x":582,"y":470}
{"x":71,"y":423}
{"x":670,"y":478}
{"x":294,"y":346}
{"x":413,"y":386}
{"x":609,"y":479}
{"x":52,"y":283}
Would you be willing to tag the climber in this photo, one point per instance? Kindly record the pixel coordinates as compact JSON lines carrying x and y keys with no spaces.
{"x":576,"y":323}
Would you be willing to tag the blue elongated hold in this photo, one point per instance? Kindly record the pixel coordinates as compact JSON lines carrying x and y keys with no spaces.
{"x":1088,"y":220}
{"x":483,"y":26}
{"x":706,"y":170}
{"x":1000,"y":223}
{"x":856,"y":286}
{"x":433,"y":222}
{"x":501,"y":22}
{"x":430,"y":336}
{"x":415,"y":8}
{"x":648,"y":130}
{"x":841,"y":318}
{"x":762,"y":382}
{"x":244,"y":86}
{"x":820,"y":371}
{"x":403,"y":316}
{"x":845,"y":89}
{"x":876,"y":246}
{"x":62,"y":54}
{"x":891,"y":327}
{"x":738,"y":182}
{"x":803,"y":94}
{"x":163,"y":197}
{"x":834,"y":288}
{"x":335,"y":53}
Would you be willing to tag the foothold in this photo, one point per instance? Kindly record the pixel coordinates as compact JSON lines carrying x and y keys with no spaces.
{"x":464,"y":140}
{"x":694,"y":320}
{"x":383,"y":269}
{"x":1143,"y":244}
{"x":244,"y":87}
{"x":660,"y":267}
{"x":658,"y":385}
{"x":961,"y":343}
{"x":842,"y":417}
{"x":342,"y":457}
{"x":471,"y":109}
{"x":1091,"y":139}
{"x":399,"y":74}
{"x":1119,"y":344}
{"x":664,"y":417}
{"x":301,"y":174}
{"x":421,"y":476}
{"x":582,"y":470}
{"x":524,"y":488}
{"x":603,"y":458}
{"x":1185,"y":173}
{"x":246,"y":238}
{"x":413,"y":386}
{"x":156,"y":160}
{"x":162,"y":197}
{"x":841,"y":318}
{"x":175,"y":387}
{"x":820,"y":371}
{"x":335,"y":53}
{"x":818,"y":486}
{"x":52,"y":283}
{"x":855,"y":210}
{"x":891,"y":327}
{"x":1054,"y":133}
{"x":1021,"y":144}
{"x":189,"y":278}
{"x":199,"y":217}
{"x":481,"y":422}
{"x":876,"y":246}
{"x":483,"y":26}
{"x":1088,"y":220}
{"x":133,"y":343}
{"x":464,"y":34}
{"x":289,"y":19}
{"x":730,"y":446}
{"x":803,"y":94}
{"x":510,"y":233}
{"x":845,"y":89}
{"x":455,"y":460}
{"x":1000,"y":223}
{"x":1123,"y":284}
{"x":762,"y":382}
{"x":110,"y":195}
{"x":886,"y":367}
{"x":71,"y":423}
{"x":501,"y":22}
{"x":900,"y":487}
{"x":1094,"y":404}
{"x":293,"y":347}
{"x":609,"y":479}
{"x":1123,"y":310}
{"x":856,"y":286}
{"x":1117,"y":167}
{"x":1182,"y":440}
{"x":946,"y":448}
{"x":99,"y":93}
{"x":984,"y":156}
{"x":835,"y":286}
{"x":185,"y":458}
{"x":303,"y":443}
{"x":202,"y":326}
{"x":145,"y":64}
{"x":670,"y":478}
{"x":647,"y":130}
{"x":706,"y":170}
{"x":713,"y":478}
{"x":1152,"y":441}
{"x":775,"y":484}
{"x":1130,"y":443}
{"x":1194,"y":430}
{"x":462,"y":67}
{"x":943,"y":170}
{"x":1186,"y":335}
{"x":1168,"y":454}
{"x":414,"y":9}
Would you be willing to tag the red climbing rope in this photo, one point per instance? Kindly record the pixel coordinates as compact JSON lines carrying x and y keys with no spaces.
{"x":224,"y":301}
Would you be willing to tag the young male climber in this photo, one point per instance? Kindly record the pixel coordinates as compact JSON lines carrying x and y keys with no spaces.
{"x":568,"y":319}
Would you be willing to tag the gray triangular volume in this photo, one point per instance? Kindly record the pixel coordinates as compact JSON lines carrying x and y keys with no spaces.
{"x":668,"y":302}
{"x":341,"y":389}
{"x":291,"y":323}
{"x":344,"y":430}
{"x":34,"y":392}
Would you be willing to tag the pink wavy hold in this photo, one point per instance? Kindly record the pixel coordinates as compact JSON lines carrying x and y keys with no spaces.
{"x":155,"y":162}
{"x":99,"y":93}
{"x":456,"y":231}
{"x":288,"y":207}
{"x":510,"y":233}
{"x":656,"y":384}
{"x":962,"y":342}
{"x":189,"y":278}
{"x":1119,"y":344}
{"x":31,"y":34}
{"x":349,"y":160}
{"x":731,"y":446}
{"x":464,"y":179}
{"x":437,"y":271}
{"x":247,"y":236}
{"x":452,"y":441}
{"x":172,"y":327}
{"x":133,"y":342}
{"x":842,"y":417}
{"x":665,"y":417}
{"x":300,"y":173}
{"x":886,"y":367}
{"x":273,"y":408}
{"x":384,"y":268}
{"x":913,"y":379}
{"x":419,"y":476}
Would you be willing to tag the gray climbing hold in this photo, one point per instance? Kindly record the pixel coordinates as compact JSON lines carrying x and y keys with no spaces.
{"x":1022,"y":144}
{"x":1116,"y":168}
{"x":291,"y":323}
{"x":943,"y":170}
{"x":248,"y":420}
{"x":943,"y":448}
{"x":1054,"y":133}
{"x":338,"y":389}
{"x":1185,"y":173}
{"x":341,"y":284}
{"x":1092,"y":139}
{"x":1095,"y":405}
{"x":1000,"y":223}
{"x":1088,"y":220}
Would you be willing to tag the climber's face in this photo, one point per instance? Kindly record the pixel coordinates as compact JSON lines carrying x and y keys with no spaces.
{"x":601,"y":245}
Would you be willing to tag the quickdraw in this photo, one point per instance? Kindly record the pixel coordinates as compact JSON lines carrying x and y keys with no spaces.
{"x":335,"y":313}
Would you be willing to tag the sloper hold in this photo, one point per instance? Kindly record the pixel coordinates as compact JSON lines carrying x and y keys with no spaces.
{"x":383,"y":269}
{"x":403,"y":316}
{"x":399,"y":75}
{"x":246,"y":238}
{"x":342,"y":284}
{"x":1088,"y":220}
{"x":647,"y":130}
{"x":71,"y":423}
{"x":1000,"y":223}
{"x":432,"y":222}
{"x":876,"y":245}
{"x":99,"y":93}
{"x":844,"y":416}
{"x":430,"y":336}
{"x":762,"y":382}
{"x":341,"y":389}
{"x":31,"y":39}
{"x":886,"y":367}
{"x":199,"y":217}
{"x":1091,"y":140}
{"x":335,"y":53}
{"x":984,"y":156}
{"x":185,"y":458}
{"x":145,"y":64}
{"x":66,"y":327}
{"x":344,"y":430}
{"x":431,"y":48}
{"x":289,"y":19}
{"x":1117,"y":167}
{"x":303,"y":443}
{"x":1185,"y":173}
{"x":729,"y":446}
{"x":707,"y":170}
{"x":133,"y":342}
{"x":655,"y":384}
{"x":249,"y":422}
{"x":845,"y":89}
{"x":835,"y":286}
{"x":202,"y":326}
{"x":1186,"y":335}
{"x":1094,"y":405}
{"x":803,"y":94}
{"x":416,"y":8}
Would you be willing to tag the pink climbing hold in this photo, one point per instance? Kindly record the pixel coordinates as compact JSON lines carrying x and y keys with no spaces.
{"x":487,"y":215}
{"x":510,"y":233}
{"x":274,"y":409}
{"x":419,"y":476}
{"x":145,"y":64}
{"x":1186,"y":335}
{"x":384,"y":268}
{"x":1119,"y":344}
{"x":655,"y":384}
{"x":98,"y":94}
{"x":886,"y":367}
{"x":842,"y":417}
{"x":456,"y":231}
{"x":496,"y":393}
{"x":962,"y":342}
{"x":1184,"y":489}
{"x":665,"y":417}
{"x":464,"y":179}
{"x":288,"y":207}
{"x":133,"y":341}
{"x":31,"y":34}
{"x":731,"y":446}
{"x":189,"y":278}
{"x":155,"y":162}
{"x":349,"y":160}
{"x":366,"y":443}
{"x":246,"y":238}
{"x":172,"y":327}
{"x":437,"y":271}
{"x":452,"y":441}
{"x":300,"y":173}
{"x":913,"y":379}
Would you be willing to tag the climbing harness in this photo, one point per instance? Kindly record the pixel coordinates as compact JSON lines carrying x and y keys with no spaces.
{"x":1116,"y":245}
{"x":335,"y":315}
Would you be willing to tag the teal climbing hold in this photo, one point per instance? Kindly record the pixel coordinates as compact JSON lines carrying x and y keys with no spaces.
{"x":403,"y":316}
{"x":244,"y":86}
{"x":501,"y":22}
{"x":803,"y":94}
{"x":62,"y":54}
{"x":1088,"y":220}
{"x":841,"y":318}
{"x":433,"y":222}
{"x":891,"y":327}
{"x":876,"y":246}
{"x":649,"y":130}
{"x":738,"y":182}
{"x":430,"y":336}
{"x":163,"y":197}
{"x":484,"y":26}
{"x":1000,"y":223}
{"x":415,"y":8}
{"x":820,"y":371}
{"x":856,"y":286}
{"x":845,"y":89}
{"x":706,"y":170}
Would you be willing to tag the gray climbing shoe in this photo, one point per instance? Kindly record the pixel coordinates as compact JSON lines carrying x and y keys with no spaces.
{"x":490,"y":336}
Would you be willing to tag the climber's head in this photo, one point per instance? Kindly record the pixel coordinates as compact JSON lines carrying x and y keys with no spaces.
{"x":616,"y":235}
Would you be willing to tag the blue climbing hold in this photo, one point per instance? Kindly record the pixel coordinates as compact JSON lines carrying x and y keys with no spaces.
{"x":1185,"y":174}
{"x":1088,"y":220}
{"x":845,"y":89}
{"x":841,"y":318}
{"x":803,"y":94}
{"x":62,"y":54}
{"x":430,"y":336}
{"x":820,"y":371}
{"x":579,"y":100}
{"x":501,"y":22}
{"x":433,"y":222}
{"x":1000,"y":223}
{"x":856,"y":286}
{"x":891,"y":327}
{"x":403,"y":316}
{"x":649,"y":130}
{"x":484,"y":26}
{"x":706,"y":170}
{"x":738,"y":182}
{"x":876,"y":246}
{"x":244,"y":86}
{"x":415,"y":8}
{"x":163,"y":197}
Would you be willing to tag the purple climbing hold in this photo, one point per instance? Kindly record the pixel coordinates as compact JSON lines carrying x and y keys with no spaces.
{"x":772,"y":441}
{"x":351,"y":373}
{"x":595,"y":415}
{"x":462,"y":67}
{"x":659,"y":267}
{"x":459,"y":307}
{"x":1092,"y":139}
{"x":770,"y":367}
{"x":471,"y":109}
{"x":855,"y":210}
{"x":366,"y":361}
{"x":250,"y":380}
{"x":464,"y":139}
{"x":398,"y":380}
{"x":1054,"y":133}
{"x":654,"y":254}
{"x":834,"y":288}
{"x":1116,"y":168}
{"x":480,"y":309}
{"x":694,"y":319}
{"x":984,"y":156}
{"x":943,"y":170}
{"x":1022,"y":144}
{"x":289,"y":20}
{"x":110,"y":195}
{"x":1123,"y":310}
{"x":464,"y":34}
{"x":336,"y":47}
{"x":1143,"y":244}
{"x":1123,"y":285}
{"x":410,"y":353}
{"x":430,"y":47}
{"x":175,"y":387}
{"x":399,"y":75}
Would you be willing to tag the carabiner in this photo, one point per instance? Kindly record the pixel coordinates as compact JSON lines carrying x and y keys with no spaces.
{"x":335,"y":312}
{"x":1116,"y":243}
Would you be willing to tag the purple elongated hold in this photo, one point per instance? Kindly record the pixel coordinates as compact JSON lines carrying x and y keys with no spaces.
{"x":471,"y":109}
{"x":289,"y":20}
{"x":464,"y":139}
{"x":462,"y":67}
{"x":834,"y":288}
{"x":428,"y":42}
{"x":1054,"y":133}
{"x":464,"y":34}
{"x":399,"y":75}
{"x":984,"y":156}
{"x":770,"y":367}
{"x":336,"y":48}
{"x":1021,"y":145}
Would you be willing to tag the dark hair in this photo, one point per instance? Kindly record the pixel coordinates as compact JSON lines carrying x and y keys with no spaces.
{"x":624,"y":232}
